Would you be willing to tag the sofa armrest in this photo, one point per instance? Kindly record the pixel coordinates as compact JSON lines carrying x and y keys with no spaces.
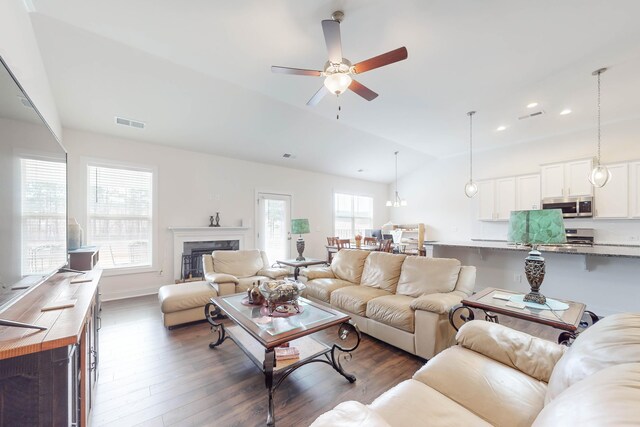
{"x":533,"y":356}
{"x":273,"y":272}
{"x":350,"y":414}
{"x":221,"y":278}
{"x":439,"y":303}
{"x":317,"y":273}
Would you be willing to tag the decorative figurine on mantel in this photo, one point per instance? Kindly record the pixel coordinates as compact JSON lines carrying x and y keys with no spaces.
{"x":216,"y":219}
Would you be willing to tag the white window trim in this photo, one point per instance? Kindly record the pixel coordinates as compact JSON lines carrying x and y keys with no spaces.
{"x":85,"y":162}
{"x":354,"y":194}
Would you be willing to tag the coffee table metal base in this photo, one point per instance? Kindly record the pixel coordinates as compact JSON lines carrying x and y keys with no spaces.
{"x":276,"y":372}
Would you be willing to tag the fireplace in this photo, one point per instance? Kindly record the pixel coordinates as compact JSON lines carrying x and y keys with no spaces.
{"x":204,"y":240}
{"x":193,"y":251}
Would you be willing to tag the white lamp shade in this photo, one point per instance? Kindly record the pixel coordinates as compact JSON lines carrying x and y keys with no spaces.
{"x":600,"y":175}
{"x":337,"y":83}
{"x":470,"y":189}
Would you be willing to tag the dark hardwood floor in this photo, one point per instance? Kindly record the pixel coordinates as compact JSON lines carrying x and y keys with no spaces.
{"x":155,"y":377}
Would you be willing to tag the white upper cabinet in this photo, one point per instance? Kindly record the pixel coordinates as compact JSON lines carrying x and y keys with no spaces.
{"x":612,"y":200}
{"x":577,"y":178}
{"x":486,"y":200}
{"x":634,"y":178}
{"x":567,"y":179}
{"x":527,"y":192}
{"x":505,"y":200}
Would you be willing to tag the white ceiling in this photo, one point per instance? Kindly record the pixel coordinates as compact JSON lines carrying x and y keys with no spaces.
{"x":198,"y":73}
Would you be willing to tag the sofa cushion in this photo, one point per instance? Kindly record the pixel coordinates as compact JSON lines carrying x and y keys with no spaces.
{"x":423,"y":276}
{"x":347,"y":264}
{"x":238,"y":263}
{"x":607,"y":398}
{"x":382,"y":270}
{"x":350,"y":414}
{"x":392,"y":310}
{"x":354,"y":299}
{"x":412,"y":403}
{"x":185,"y":296}
{"x":611,"y":341}
{"x":321,"y":289}
{"x":497,"y":393}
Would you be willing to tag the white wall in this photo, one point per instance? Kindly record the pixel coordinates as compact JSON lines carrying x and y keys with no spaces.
{"x":192,"y":186}
{"x":436,"y":197}
{"x":20,"y":51}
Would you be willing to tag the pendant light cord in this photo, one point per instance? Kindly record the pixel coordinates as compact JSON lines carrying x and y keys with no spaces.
{"x":397,"y":196}
{"x":470,"y":114}
{"x":599,"y":132}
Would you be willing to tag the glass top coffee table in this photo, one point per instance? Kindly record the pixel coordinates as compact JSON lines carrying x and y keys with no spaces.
{"x":258,"y":335}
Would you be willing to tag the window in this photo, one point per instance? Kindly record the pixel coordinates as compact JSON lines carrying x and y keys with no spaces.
{"x":44,"y":215}
{"x":353,"y":214}
{"x":120,"y":215}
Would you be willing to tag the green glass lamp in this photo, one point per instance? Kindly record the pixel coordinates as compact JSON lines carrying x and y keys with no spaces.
{"x":536,"y":227}
{"x":300,"y":226}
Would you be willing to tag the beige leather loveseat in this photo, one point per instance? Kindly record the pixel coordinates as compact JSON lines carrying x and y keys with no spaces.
{"x":500,"y":377}
{"x":230,"y":272}
{"x":402,"y":300}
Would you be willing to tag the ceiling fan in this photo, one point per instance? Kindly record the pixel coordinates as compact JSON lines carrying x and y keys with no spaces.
{"x":338,"y":70}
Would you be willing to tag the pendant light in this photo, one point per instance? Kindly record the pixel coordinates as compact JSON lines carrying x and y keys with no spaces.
{"x":470,"y":188}
{"x":397,"y":201}
{"x":600,"y":174}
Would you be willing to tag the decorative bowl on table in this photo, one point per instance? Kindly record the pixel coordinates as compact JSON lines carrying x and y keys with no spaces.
{"x":281,"y":293}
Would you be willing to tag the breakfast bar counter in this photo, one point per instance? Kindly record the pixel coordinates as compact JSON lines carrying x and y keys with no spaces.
{"x":607,"y":250}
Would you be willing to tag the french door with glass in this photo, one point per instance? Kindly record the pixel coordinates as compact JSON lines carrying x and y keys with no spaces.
{"x":274,"y":225}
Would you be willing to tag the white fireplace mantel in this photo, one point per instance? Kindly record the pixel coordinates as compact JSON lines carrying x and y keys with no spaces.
{"x":181,"y":235}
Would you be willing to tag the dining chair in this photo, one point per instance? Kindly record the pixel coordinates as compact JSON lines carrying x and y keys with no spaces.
{"x":331,"y":241}
{"x":385,"y":245}
{"x":370,"y":241}
{"x":343,"y":243}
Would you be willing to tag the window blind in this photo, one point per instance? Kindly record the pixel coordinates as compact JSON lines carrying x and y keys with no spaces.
{"x":43,"y":211}
{"x":120,"y":215}
{"x":353,"y":215}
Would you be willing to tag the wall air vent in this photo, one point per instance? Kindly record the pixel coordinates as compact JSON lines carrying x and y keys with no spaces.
{"x":530,"y":115}
{"x":128,"y":122}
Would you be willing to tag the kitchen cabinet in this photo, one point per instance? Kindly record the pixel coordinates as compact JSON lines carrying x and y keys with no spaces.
{"x":496,"y":199}
{"x":634,"y":180}
{"x":612,"y":200}
{"x":528,"y":192}
{"x":569,"y":179}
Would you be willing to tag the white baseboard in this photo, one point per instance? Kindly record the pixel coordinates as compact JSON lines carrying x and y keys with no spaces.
{"x":112,"y":296}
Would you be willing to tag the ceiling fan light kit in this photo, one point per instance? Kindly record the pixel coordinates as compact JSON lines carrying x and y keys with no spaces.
{"x":338,"y":71}
{"x":600,"y":174}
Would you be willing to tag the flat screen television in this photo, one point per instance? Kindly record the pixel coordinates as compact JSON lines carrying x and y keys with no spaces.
{"x":33,"y":196}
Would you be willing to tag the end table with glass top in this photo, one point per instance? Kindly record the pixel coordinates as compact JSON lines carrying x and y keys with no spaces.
{"x":493,"y":301}
{"x":299,"y":264}
{"x":258,"y":334}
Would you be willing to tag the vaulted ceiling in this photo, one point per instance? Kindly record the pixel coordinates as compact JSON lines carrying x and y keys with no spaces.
{"x":198,"y":74}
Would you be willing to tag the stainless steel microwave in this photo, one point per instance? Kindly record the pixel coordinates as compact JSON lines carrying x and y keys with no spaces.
{"x":572,"y":207}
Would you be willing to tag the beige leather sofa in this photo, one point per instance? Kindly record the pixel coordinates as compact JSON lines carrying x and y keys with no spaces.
{"x":500,"y":377}
{"x":402,"y":300}
{"x":230,"y":272}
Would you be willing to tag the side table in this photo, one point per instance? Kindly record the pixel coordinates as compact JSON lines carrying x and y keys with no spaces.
{"x":569,"y":321}
{"x":299,"y":264}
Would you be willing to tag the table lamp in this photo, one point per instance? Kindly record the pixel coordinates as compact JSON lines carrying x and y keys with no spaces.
{"x":300,"y":226}
{"x":536,"y":227}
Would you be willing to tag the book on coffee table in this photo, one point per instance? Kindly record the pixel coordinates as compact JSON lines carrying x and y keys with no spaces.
{"x":287,"y":353}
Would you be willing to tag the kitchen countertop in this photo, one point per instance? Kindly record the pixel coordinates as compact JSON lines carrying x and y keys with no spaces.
{"x":628,"y":251}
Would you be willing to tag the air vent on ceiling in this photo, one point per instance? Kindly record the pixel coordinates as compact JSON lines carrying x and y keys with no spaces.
{"x":287,"y":155}
{"x":25,"y":102}
{"x":530,"y":115}
{"x":128,"y":122}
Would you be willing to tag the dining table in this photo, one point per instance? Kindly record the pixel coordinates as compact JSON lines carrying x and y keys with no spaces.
{"x":332,"y":249}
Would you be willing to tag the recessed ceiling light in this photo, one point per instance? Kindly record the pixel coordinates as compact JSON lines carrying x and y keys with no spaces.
{"x":565,"y":112}
{"x":287,"y":155}
{"x":532,"y":105}
{"x":360,"y":170}
{"x":501,"y":128}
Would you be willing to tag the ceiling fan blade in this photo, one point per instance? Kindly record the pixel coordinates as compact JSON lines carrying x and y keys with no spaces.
{"x":331,"y":31}
{"x":297,"y":71}
{"x":318,"y":96}
{"x":381,"y":60}
{"x":363,"y":91}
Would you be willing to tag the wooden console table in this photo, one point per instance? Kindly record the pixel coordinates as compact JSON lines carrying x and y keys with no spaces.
{"x":47,"y":377}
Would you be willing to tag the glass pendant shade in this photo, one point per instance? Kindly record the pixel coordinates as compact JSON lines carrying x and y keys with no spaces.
{"x":337,"y":83}
{"x":600,"y":175}
{"x":470,"y":189}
